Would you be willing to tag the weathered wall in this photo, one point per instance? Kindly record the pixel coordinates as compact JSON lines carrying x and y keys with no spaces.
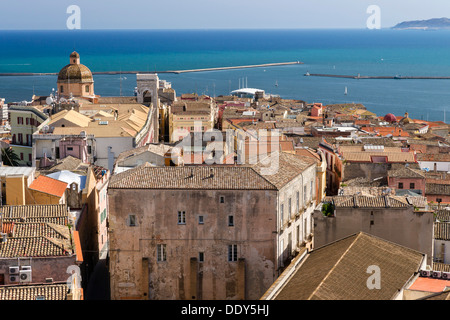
{"x":442,"y":250}
{"x":369,"y":170}
{"x":41,"y":268}
{"x":403,"y":226}
{"x":133,"y":249}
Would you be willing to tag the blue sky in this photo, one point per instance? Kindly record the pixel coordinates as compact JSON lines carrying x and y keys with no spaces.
{"x":212,"y":14}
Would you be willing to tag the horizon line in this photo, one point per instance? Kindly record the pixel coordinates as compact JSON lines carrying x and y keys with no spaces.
{"x":201,"y":29}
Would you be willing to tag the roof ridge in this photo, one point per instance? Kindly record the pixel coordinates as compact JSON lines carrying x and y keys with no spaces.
{"x":335,"y":265}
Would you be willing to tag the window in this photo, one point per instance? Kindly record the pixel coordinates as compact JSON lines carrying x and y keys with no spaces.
{"x":21,"y":156}
{"x":201,"y":257}
{"x":181,"y":217}
{"x":27,"y":121}
{"x":304,"y":228}
{"x":400,"y":185}
{"x":232,"y":252}
{"x":20,"y":138}
{"x":200,"y":219}
{"x":29,"y":157}
{"x":69,"y":148}
{"x":281,"y":214}
{"x":131,"y":220}
{"x":222,"y":199}
{"x":19,"y":120}
{"x":290,"y":208}
{"x":161,"y":252}
{"x":61,"y":89}
{"x":412,"y":185}
{"x":230,"y":221}
{"x":89,"y":149}
{"x":298,"y":202}
{"x":87,"y":88}
{"x":304,"y":195}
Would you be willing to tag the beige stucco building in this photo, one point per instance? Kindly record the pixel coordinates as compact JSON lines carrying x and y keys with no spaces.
{"x":75,"y":80}
{"x":207,"y":232}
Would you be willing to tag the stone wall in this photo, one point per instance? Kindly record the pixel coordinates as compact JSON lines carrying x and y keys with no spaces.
{"x":135,"y":271}
{"x":404,"y":226}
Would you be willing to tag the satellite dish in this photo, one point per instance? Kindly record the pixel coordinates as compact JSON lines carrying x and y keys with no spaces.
{"x":49,"y":100}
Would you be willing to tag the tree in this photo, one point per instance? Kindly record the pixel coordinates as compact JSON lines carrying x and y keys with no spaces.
{"x":9,"y":157}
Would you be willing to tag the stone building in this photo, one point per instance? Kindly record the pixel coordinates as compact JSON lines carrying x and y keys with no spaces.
{"x":207,"y":232}
{"x":393,"y":218}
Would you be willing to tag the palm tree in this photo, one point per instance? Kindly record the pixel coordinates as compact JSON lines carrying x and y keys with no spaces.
{"x":9,"y":157}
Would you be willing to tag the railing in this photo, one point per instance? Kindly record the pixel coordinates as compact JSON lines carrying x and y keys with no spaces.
{"x":21,"y":144}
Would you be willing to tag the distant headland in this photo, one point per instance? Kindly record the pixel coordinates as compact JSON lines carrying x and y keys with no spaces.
{"x":436,"y":23}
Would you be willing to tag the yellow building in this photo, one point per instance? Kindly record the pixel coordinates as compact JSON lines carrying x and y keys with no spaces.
{"x":188,"y":116}
{"x":14,"y":185}
{"x":45,"y":190}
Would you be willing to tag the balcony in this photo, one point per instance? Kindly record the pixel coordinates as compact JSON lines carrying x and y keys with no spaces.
{"x":20,"y":144}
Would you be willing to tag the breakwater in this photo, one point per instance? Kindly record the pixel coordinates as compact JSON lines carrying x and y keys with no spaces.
{"x":358,"y":77}
{"x":165,"y":71}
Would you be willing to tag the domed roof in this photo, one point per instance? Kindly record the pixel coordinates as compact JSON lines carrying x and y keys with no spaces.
{"x":390,"y":118}
{"x":75,"y":72}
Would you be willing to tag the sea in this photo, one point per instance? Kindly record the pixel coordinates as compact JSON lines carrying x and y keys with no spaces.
{"x":382,"y":52}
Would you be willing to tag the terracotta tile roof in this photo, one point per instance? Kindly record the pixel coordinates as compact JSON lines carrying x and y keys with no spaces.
{"x":52,"y":213}
{"x":442,"y":231}
{"x":32,"y":247}
{"x":48,"y":185}
{"x":338,"y":271}
{"x":54,"y":291}
{"x":240,"y":177}
{"x":393,"y":154}
{"x":357,"y":201}
{"x":195,"y":177}
{"x":384,"y":131}
{"x":72,"y":116}
{"x":23,"y":230}
{"x":438,"y":157}
{"x":406,"y":173}
{"x":289,"y":167}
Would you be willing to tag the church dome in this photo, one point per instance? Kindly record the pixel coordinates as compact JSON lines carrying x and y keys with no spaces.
{"x":390,"y":118}
{"x":75,"y":72}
